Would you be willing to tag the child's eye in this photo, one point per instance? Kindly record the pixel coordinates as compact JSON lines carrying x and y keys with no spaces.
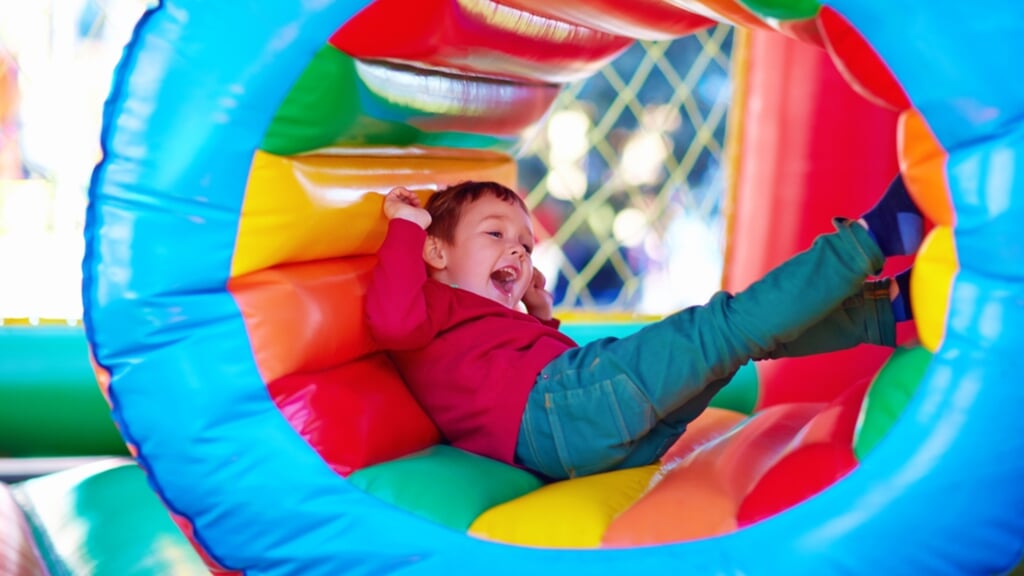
{"x":495,"y":234}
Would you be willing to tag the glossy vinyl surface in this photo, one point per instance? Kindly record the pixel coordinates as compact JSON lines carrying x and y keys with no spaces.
{"x":188,"y":389}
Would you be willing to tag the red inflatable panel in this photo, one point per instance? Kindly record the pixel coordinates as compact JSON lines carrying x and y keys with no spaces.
{"x":795,"y":478}
{"x":836,"y":424}
{"x":356,"y":415}
{"x":479,"y":37}
{"x":818,"y":456}
{"x":807,"y":30}
{"x":642,"y":19}
{"x":858,"y":62}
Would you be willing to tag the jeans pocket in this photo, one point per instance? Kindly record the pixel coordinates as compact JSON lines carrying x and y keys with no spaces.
{"x":634,"y":410}
{"x":595,"y":426}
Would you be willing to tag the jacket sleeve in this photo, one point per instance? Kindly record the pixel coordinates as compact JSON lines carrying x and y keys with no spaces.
{"x":397,"y":313}
{"x":552,"y":323}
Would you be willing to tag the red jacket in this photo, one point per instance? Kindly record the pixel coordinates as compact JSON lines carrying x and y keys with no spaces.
{"x":469,"y":361}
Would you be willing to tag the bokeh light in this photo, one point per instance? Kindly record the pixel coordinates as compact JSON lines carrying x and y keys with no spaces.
{"x":625,"y":175}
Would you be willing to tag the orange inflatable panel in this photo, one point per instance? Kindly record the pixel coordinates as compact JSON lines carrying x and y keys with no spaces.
{"x":305,"y":317}
{"x":731,"y":11}
{"x":923,"y":163}
{"x":480,"y":38}
{"x":712,"y":424}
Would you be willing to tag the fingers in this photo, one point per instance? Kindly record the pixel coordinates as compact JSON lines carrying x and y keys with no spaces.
{"x":402,"y":203}
{"x":537,"y":299}
{"x":537,"y":288}
{"x":539,"y":281}
{"x":405,"y":196}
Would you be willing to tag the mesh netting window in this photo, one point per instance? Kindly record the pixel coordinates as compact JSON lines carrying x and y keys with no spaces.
{"x":626,"y":179}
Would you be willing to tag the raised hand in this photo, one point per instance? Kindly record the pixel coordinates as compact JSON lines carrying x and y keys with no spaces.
{"x":537,"y":300}
{"x":401,"y":203}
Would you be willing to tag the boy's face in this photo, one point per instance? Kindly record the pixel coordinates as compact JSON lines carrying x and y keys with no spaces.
{"x":490,"y":254}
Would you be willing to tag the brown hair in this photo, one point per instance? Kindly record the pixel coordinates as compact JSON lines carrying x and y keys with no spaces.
{"x":445,"y":206}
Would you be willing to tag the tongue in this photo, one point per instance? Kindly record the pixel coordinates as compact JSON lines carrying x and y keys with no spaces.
{"x":503,"y":280}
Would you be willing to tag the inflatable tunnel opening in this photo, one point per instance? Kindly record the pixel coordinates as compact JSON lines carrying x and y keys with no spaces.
{"x":236,"y":214}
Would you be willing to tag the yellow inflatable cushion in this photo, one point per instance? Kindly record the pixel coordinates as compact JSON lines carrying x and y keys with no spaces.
{"x":570,"y":514}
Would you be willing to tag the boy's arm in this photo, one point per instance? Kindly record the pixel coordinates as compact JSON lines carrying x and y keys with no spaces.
{"x":396,"y":300}
{"x":551,"y":322}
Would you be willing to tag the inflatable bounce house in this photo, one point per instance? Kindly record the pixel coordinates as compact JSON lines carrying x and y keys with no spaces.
{"x":235,"y":215}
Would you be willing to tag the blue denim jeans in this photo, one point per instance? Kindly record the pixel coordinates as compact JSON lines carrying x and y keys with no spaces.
{"x":623,"y":402}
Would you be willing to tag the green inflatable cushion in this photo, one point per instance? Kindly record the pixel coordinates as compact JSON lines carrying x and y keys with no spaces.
{"x":889,"y":394}
{"x":446,"y":485}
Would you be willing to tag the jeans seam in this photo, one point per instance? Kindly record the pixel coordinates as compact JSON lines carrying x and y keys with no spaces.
{"x":558,"y":437}
{"x":609,"y":386}
{"x":877,"y":296}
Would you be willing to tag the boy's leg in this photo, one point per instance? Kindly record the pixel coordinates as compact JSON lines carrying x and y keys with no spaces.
{"x":869,"y":317}
{"x":672,"y":360}
{"x":864,"y":318}
{"x":596,"y":402}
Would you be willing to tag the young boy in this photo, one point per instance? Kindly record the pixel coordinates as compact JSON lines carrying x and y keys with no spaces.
{"x":444,"y":302}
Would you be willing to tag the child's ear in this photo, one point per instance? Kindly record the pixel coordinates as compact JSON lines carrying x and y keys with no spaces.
{"x":434,"y":254}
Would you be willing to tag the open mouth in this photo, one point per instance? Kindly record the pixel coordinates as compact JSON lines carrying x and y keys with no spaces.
{"x":504,"y":279}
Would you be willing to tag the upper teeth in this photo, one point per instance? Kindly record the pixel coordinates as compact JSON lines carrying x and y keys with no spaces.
{"x":505,"y":274}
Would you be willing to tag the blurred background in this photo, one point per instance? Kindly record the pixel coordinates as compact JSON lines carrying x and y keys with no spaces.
{"x":625,"y":177}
